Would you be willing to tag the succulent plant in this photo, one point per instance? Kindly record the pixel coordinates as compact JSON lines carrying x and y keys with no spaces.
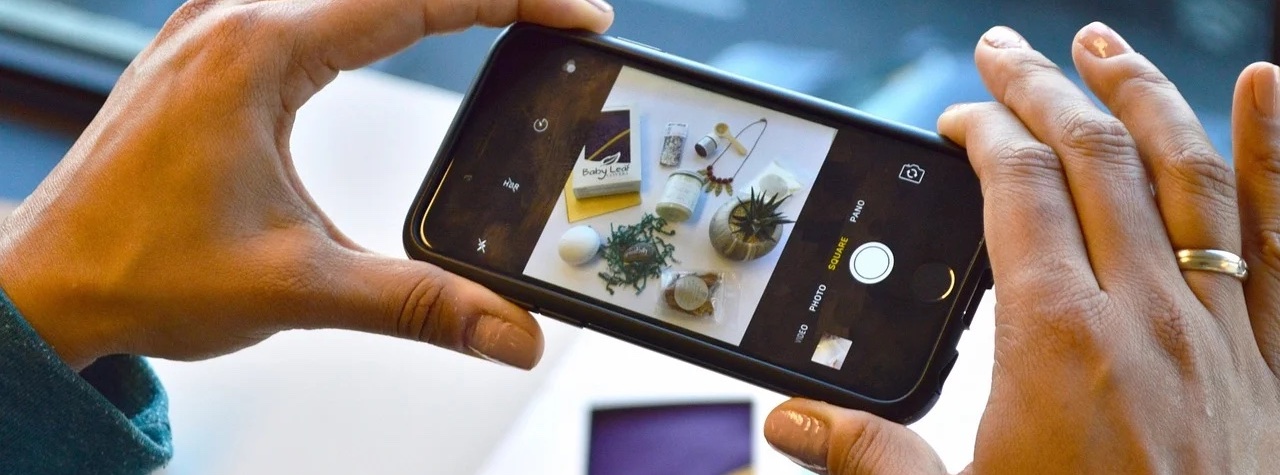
{"x":758,"y":217}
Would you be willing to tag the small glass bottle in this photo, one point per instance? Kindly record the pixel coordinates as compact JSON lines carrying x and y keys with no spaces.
{"x":673,"y":144}
{"x":707,"y":145}
{"x":680,"y":196}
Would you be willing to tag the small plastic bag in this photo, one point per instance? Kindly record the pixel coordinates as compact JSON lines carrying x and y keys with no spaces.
{"x":703,"y":295}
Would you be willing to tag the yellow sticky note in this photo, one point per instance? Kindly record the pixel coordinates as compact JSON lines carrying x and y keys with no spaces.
{"x":580,"y":209}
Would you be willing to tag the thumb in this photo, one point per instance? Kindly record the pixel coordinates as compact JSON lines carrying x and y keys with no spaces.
{"x":351,"y":34}
{"x":316,"y":40}
{"x":838,"y":441}
{"x":410,"y":299}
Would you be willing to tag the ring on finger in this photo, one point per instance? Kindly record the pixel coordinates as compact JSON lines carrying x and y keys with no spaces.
{"x":1213,"y":260}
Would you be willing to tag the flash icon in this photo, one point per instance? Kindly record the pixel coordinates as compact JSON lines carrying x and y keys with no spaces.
{"x":570,"y":66}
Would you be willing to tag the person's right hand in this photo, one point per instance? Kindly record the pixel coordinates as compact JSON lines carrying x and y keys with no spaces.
{"x":1109,"y":358}
{"x":177,"y":227}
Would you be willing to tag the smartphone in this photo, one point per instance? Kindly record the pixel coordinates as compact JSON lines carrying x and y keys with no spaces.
{"x":790,"y":242}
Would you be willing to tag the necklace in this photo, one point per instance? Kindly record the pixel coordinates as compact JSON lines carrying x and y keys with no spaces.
{"x":719,"y":184}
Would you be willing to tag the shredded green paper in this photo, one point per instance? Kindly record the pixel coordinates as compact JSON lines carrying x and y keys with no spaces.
{"x":637,"y":253}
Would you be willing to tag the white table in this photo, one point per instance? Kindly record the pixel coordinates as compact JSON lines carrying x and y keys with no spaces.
{"x":337,"y":402}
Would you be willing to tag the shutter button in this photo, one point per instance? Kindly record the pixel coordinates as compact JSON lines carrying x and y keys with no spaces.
{"x":871,"y":263}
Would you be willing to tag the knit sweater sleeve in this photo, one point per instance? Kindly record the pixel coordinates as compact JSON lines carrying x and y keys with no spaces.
{"x":110,"y":418}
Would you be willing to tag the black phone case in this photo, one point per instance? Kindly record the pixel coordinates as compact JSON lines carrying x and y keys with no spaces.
{"x":684,"y":347}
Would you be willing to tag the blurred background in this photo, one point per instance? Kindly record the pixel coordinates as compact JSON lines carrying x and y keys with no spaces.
{"x":903,"y":60}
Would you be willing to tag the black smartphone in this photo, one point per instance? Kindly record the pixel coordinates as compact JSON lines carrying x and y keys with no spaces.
{"x":793,"y":243}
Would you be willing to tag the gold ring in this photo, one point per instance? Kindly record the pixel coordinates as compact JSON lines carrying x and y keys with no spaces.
{"x":1213,"y":260}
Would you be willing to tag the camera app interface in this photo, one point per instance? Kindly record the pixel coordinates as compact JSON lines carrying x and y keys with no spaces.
{"x":834,"y":252}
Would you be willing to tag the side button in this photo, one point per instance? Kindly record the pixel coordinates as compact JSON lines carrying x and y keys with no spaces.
{"x":946,"y":370}
{"x":971,"y":310}
{"x":521,"y":304}
{"x":637,"y":43}
{"x":557,"y":316}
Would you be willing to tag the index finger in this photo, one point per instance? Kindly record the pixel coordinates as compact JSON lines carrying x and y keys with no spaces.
{"x":1033,"y":236}
{"x":1107,"y":180}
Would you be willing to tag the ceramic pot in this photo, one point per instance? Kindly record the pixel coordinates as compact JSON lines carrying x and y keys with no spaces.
{"x":727,"y":242}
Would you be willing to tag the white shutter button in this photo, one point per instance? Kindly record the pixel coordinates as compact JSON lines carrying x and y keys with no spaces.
{"x":871,"y":263}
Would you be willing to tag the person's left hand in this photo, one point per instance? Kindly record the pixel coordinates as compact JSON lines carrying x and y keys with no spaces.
{"x":177,"y":227}
{"x":1110,"y":357}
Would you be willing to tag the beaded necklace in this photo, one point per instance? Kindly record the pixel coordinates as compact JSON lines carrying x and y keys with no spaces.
{"x":719,"y":184}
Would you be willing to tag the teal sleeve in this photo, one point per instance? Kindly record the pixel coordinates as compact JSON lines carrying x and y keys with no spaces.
{"x":111,"y":418}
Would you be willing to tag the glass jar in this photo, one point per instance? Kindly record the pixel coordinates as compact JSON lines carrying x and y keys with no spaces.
{"x":680,"y":196}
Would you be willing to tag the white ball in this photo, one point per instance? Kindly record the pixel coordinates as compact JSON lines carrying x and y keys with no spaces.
{"x":579,"y":245}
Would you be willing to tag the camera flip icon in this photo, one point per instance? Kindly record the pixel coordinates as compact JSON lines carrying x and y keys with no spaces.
{"x":911,"y":173}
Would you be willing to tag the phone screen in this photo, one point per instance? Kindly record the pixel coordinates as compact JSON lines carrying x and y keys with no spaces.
{"x":775,"y":231}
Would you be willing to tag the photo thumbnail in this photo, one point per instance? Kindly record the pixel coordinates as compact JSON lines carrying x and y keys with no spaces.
{"x":832,"y":350}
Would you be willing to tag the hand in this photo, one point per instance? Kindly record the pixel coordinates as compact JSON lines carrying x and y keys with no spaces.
{"x":1109,"y":358}
{"x":177,"y":227}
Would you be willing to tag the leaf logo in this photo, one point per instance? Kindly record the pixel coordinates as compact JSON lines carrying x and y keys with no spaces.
{"x":611,"y":159}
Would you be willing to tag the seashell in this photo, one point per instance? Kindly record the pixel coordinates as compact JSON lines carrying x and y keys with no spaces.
{"x":579,"y":245}
{"x":691,"y":292}
{"x":640,"y":252}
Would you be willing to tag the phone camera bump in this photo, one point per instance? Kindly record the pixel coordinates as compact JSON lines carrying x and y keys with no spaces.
{"x":933,"y":282}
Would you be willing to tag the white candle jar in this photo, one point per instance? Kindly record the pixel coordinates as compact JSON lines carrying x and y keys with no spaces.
{"x":680,"y":196}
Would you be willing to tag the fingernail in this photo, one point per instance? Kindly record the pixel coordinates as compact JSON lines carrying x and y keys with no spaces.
{"x":1102,"y":41}
{"x":800,"y":437}
{"x":499,"y":341}
{"x":1265,"y":83}
{"x":602,"y":5}
{"x":947,"y":118}
{"x":1003,"y":37}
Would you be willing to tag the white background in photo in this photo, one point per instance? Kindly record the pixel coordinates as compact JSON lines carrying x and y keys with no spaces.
{"x":798,"y":145}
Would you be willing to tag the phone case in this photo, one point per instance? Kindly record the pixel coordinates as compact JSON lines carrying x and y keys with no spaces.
{"x":906,"y":409}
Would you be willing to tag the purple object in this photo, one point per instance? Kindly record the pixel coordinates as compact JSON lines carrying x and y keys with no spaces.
{"x":695,"y":439}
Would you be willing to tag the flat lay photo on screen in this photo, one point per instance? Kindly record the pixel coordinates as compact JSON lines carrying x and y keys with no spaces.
{"x":680,"y":204}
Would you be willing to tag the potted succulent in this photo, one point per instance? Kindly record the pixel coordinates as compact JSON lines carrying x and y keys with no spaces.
{"x":747,"y":228}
